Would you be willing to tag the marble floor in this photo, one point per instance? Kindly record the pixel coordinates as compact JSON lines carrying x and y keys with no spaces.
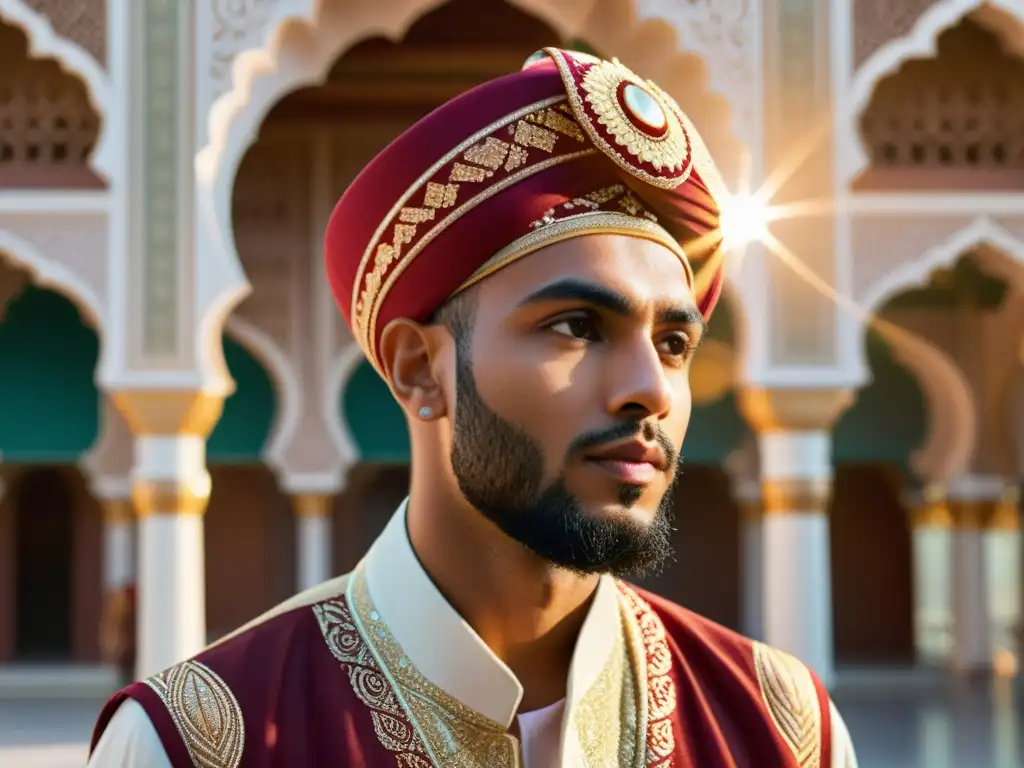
{"x":893,"y":726}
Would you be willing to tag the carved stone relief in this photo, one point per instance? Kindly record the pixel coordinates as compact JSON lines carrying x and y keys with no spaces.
{"x":883,"y":247}
{"x":69,"y":254}
{"x":722,"y":33}
{"x":48,"y":128}
{"x":82,"y":21}
{"x":238,"y":25}
{"x":876,"y":22}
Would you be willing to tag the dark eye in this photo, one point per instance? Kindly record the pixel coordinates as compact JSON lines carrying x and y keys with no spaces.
{"x":579,"y":327}
{"x":675,"y":344}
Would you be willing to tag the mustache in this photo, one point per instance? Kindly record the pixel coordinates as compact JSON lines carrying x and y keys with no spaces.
{"x":624,"y":430}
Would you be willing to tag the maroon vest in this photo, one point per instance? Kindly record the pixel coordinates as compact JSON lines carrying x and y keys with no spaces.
{"x":305,"y":689}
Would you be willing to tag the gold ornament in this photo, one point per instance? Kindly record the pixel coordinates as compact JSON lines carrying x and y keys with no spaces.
{"x":637,"y":116}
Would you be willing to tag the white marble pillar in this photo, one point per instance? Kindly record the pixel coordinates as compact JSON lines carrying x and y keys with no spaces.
{"x":313,"y":538}
{"x":1003,"y":577}
{"x":795,"y":452}
{"x":796,"y":472}
{"x":170,"y":491}
{"x":931,"y":531}
{"x":971,"y":502}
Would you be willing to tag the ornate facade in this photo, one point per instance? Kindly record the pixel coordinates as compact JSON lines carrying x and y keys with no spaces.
{"x":184,"y":409}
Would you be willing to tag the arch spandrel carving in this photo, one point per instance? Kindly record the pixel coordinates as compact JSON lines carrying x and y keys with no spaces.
{"x":83,"y":22}
{"x":65,"y":252}
{"x":892,"y":253}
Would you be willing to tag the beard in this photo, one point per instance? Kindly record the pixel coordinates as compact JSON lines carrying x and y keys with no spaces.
{"x":500,"y":471}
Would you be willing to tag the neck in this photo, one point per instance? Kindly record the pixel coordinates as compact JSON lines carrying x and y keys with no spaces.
{"x":528,"y":612}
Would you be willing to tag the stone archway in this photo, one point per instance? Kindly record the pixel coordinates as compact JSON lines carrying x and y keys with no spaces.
{"x":929,"y":22}
{"x":261,"y":52}
{"x":74,"y":36}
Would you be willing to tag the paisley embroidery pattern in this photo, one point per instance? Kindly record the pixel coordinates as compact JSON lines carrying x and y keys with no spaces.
{"x":205,"y":712}
{"x":792,"y":701}
{"x":390,"y":722}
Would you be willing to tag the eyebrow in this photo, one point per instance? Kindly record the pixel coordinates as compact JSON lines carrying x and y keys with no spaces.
{"x":600,"y":296}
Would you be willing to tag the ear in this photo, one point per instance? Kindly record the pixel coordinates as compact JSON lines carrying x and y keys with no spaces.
{"x":408,"y":352}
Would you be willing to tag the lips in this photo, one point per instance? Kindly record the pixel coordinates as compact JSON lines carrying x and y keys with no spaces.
{"x":631,"y":462}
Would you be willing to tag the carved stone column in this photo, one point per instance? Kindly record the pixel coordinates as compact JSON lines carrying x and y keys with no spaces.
{"x":170,"y":490}
{"x":796,"y":478}
{"x":743,"y":468}
{"x":313,"y":538}
{"x":931,"y":531}
{"x":1003,"y":576}
{"x":972,"y":501}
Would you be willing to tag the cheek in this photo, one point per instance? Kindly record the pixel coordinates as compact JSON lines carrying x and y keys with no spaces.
{"x":542,"y":399}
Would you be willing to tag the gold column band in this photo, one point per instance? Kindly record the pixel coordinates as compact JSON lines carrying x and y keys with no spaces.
{"x":795,"y":410}
{"x":970,"y":515}
{"x":168,"y":412}
{"x":796,"y":496}
{"x":168,"y":497}
{"x":931,"y":515}
{"x":312,"y":504}
{"x":751,"y":511}
{"x":117,"y":510}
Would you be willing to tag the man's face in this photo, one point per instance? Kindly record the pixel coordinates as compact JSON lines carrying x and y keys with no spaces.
{"x":572,"y":400}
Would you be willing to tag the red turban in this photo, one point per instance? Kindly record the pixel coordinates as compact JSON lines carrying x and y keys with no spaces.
{"x":569,"y":146}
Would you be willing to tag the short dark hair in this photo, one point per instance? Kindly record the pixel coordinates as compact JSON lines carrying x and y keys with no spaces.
{"x":456,"y":314}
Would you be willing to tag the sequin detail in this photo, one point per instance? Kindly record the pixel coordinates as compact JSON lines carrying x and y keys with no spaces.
{"x":788,"y":691}
{"x":205,"y":713}
{"x":371,"y":686}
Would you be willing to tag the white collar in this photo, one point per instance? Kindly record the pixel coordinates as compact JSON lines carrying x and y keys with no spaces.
{"x":445,"y":648}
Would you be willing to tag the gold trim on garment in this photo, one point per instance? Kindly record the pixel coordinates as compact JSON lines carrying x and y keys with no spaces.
{"x":205,"y":712}
{"x":454,"y":734}
{"x":791,"y":698}
{"x":381,"y":294}
{"x":370,"y":684}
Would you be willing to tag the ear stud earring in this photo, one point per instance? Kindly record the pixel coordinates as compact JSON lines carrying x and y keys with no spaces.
{"x":426,"y":413}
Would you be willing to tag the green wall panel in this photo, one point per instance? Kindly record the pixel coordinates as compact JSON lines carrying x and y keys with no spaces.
{"x":375,"y":420}
{"x":249,"y":413}
{"x":49,"y":403}
{"x":889,"y":420}
{"x":715,"y":431}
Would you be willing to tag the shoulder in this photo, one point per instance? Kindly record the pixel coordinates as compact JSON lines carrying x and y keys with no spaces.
{"x":788,"y":693}
{"x":228,"y":684}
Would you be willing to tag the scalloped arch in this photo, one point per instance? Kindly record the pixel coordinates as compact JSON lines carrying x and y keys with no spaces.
{"x":44,"y":42}
{"x":920,"y":42}
{"x":286,"y":381}
{"x":48,"y":273}
{"x":952,"y":414}
{"x":981,"y":232}
{"x":303,"y":40}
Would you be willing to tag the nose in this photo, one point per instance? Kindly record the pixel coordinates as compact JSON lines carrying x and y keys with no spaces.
{"x":640,"y":387}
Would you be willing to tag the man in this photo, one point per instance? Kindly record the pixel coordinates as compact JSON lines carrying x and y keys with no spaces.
{"x":530,"y":269}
